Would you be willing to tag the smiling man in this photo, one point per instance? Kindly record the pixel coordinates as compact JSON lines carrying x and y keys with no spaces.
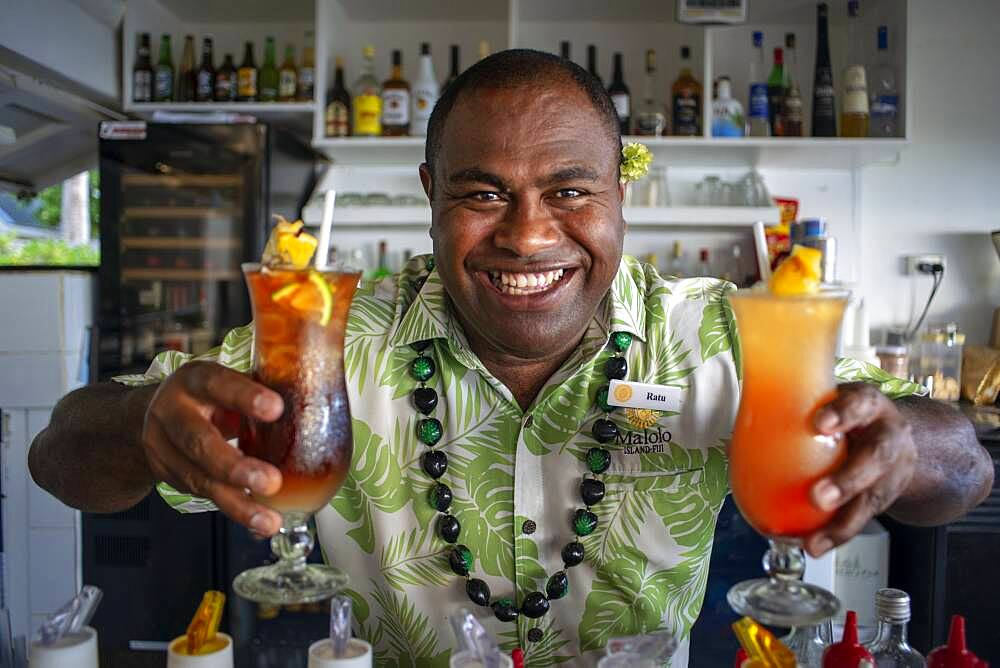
{"x":536,"y":502}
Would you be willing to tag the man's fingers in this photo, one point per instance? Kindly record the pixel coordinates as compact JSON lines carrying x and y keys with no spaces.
{"x":244,"y":510}
{"x":856,"y":405}
{"x":228,"y":389}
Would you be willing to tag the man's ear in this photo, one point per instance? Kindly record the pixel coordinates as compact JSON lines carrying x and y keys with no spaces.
{"x":427,"y":181}
{"x":621,"y":190}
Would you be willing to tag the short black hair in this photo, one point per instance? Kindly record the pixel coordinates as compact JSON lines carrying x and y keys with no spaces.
{"x":510,"y":69}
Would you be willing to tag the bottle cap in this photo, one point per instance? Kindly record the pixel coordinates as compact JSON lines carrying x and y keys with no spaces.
{"x":725,"y":89}
{"x":789,"y":40}
{"x":954,"y":654}
{"x":892,"y":605}
{"x":779,"y":56}
{"x":703,"y":255}
{"x":369,"y":51}
{"x":425,"y":49}
{"x":397,"y":57}
{"x":883,"y":38}
{"x":685,"y":52}
{"x":848,"y":652}
{"x":758,"y":38}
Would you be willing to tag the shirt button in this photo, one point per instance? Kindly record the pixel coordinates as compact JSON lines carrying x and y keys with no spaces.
{"x":528,"y":421}
{"x":528,"y":527}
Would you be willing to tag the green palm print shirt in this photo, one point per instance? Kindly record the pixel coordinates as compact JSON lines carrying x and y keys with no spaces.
{"x":646,"y":563}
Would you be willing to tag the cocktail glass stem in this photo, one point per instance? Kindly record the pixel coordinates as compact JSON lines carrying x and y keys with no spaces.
{"x":293,"y":542}
{"x":784,"y":561}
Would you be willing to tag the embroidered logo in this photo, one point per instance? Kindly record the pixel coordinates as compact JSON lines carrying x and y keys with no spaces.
{"x":640,"y":418}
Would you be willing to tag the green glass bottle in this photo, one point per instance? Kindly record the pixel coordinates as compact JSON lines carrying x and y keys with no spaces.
{"x":269,"y":76}
{"x":163,"y":81}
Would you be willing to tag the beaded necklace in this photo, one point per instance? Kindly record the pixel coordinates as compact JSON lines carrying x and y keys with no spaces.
{"x":435,"y":462}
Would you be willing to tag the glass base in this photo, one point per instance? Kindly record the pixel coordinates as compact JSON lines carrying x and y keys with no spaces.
{"x":278,"y":585}
{"x":783,"y":603}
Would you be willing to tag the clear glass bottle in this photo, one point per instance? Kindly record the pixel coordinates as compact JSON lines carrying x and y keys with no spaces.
{"x":758,"y":123}
{"x":884,"y":94}
{"x":854,"y":103}
{"x":791,"y":102}
{"x":808,"y":642}
{"x":650,"y":120}
{"x":889,"y":648}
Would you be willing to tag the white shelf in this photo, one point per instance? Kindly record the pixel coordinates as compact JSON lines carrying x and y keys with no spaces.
{"x":262,"y":110}
{"x":670,"y":216}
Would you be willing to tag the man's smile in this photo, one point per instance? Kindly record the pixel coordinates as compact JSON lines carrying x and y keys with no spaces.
{"x":523,"y":287}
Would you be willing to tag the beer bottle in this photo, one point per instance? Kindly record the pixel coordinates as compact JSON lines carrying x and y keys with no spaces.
{"x":163,"y":86}
{"x":288,"y":77}
{"x":142,"y":72}
{"x":338,"y":105}
{"x":204,"y":87}
{"x":307,"y":73}
{"x":225,"y":80}
{"x":269,"y":74}
{"x":246,"y":77}
{"x":186,"y":76}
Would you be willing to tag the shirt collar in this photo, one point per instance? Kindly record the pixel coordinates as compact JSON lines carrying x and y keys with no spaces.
{"x":423,"y":312}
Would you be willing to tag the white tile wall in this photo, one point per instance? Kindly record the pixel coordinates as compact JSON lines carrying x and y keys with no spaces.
{"x":36,"y":299}
{"x":13,"y":458}
{"x":31,"y":380}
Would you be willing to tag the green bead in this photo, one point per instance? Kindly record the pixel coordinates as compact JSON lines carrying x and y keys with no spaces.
{"x":429,"y":431}
{"x":422,"y":368}
{"x":602,"y":400}
{"x":429,"y":263}
{"x":460,"y":560}
{"x":621,"y":341}
{"x":584,"y":522}
{"x":557,"y":586}
{"x":598,"y":460}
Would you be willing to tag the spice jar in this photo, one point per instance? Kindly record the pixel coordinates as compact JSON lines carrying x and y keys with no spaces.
{"x":937,"y":361}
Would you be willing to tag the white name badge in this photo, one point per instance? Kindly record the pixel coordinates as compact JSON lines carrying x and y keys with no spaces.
{"x":624,"y":394}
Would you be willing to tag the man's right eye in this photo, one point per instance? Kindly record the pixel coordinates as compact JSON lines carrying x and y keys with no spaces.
{"x":485,"y":196}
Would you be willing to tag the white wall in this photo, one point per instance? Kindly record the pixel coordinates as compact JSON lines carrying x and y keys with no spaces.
{"x":944,"y":195}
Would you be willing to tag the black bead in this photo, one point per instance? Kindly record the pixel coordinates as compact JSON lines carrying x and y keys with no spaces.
{"x":425,"y":399}
{"x":440,"y":497}
{"x":591,"y":491}
{"x":448,"y":528}
{"x":434,"y":463}
{"x":460,"y":560}
{"x":535,"y":605}
{"x":535,"y":634}
{"x":529,"y":527}
{"x":504,"y":609}
{"x":584,"y":522}
{"x":616,"y":368}
{"x":420,"y":346}
{"x":557,"y":586}
{"x":598,"y":460}
{"x":478,"y":591}
{"x":572,"y":554}
{"x":604,"y":431}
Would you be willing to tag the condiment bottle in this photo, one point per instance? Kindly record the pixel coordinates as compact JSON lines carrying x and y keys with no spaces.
{"x":848,"y":653}
{"x":954,"y":654}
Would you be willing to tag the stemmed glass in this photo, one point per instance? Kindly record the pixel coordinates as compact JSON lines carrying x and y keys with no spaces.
{"x":299,"y":325}
{"x":776,"y":455}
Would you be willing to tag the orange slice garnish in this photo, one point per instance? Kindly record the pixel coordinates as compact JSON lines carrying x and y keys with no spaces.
{"x":799,"y":274}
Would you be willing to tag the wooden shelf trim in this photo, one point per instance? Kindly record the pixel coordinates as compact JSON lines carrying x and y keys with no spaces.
{"x":181,"y":242}
{"x":178,"y":212}
{"x":180,"y":274}
{"x":183,"y":180}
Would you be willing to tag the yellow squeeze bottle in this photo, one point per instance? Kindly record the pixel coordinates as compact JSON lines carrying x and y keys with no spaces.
{"x":205,"y":623}
{"x":762,"y":648}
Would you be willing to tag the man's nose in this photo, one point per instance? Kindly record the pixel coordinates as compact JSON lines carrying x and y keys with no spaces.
{"x":527,"y":229}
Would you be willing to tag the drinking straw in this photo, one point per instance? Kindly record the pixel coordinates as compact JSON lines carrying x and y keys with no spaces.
{"x":72,"y":616}
{"x":760,"y":247}
{"x":323,"y":252}
{"x":340,"y":622}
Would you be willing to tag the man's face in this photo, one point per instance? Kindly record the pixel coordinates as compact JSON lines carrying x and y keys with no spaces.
{"x":527,"y":224}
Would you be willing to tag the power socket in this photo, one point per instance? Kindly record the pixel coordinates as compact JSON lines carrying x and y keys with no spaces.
{"x":911,"y":263}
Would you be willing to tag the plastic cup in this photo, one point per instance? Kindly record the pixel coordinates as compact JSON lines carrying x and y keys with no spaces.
{"x":359,"y":655}
{"x":470,"y":660}
{"x":78,"y":650}
{"x":221,"y":658}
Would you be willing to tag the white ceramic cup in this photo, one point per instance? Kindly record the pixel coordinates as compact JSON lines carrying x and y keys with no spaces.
{"x":470,"y":660}
{"x":74,"y":651}
{"x":359,"y":655}
{"x":223,"y":658}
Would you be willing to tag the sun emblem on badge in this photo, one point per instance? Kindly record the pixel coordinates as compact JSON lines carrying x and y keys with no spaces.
{"x":642,"y":418}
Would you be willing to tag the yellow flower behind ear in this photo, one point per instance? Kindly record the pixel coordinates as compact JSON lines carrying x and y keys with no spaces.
{"x":636,"y":159}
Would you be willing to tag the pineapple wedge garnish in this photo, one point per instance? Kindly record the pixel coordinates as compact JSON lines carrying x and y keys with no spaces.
{"x":289,"y":246}
{"x":799,"y":274}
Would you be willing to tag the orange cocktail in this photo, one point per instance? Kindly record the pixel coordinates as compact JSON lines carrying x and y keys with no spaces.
{"x":776,"y":455}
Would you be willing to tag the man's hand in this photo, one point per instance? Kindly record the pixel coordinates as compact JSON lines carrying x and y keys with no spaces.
{"x":881,"y":460}
{"x":184,"y":439}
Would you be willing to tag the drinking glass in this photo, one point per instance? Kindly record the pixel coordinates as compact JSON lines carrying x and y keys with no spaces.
{"x":298,"y":352}
{"x":776,"y":455}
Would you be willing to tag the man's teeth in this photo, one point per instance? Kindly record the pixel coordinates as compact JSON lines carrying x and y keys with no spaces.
{"x":522,"y":284}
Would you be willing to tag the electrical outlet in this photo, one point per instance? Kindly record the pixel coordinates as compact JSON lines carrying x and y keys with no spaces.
{"x":912,"y":262}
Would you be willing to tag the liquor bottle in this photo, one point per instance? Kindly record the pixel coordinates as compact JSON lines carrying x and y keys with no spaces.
{"x":727,"y":113}
{"x":453,"y":74}
{"x":650,"y":119}
{"x":854,"y":113}
{"x":704,"y":268}
{"x":396,"y":100}
{"x":225,"y":80}
{"x":758,"y":124}
{"x":686,"y":93}
{"x":824,"y":109}
{"x":307,"y":72}
{"x":807,"y":642}
{"x":142,"y":72}
{"x":382,"y":268}
{"x":885,"y":95}
{"x":163,"y":80}
{"x":592,"y":63}
{"x":269,"y":80}
{"x":791,"y":99}
{"x":338,"y":104}
{"x":678,"y":265}
{"x":425,"y":92}
{"x":246,"y":77}
{"x":889,"y":647}
{"x":564,"y":50}
{"x":775,"y":93}
{"x":288,"y":77}
{"x":620,"y":96}
{"x":186,"y":76}
{"x":484,"y":49}
{"x":204,"y":80}
{"x":367,"y":102}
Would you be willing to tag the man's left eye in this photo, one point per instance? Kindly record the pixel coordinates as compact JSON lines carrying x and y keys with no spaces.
{"x":568,"y":193}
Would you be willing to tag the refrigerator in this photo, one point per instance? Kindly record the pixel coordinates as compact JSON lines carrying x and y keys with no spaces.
{"x":182,"y":206}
